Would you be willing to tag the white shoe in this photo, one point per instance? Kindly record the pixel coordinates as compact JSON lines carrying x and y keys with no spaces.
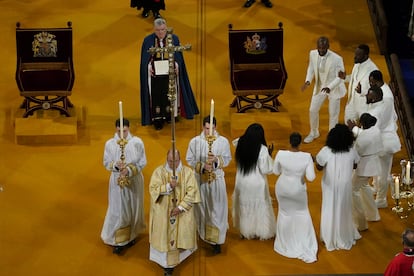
{"x":308,"y":139}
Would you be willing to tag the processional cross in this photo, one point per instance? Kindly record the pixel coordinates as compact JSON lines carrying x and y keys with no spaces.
{"x":171,"y":49}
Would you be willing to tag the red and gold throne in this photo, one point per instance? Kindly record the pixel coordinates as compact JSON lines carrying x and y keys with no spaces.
{"x":257,"y":70}
{"x":44,"y":72}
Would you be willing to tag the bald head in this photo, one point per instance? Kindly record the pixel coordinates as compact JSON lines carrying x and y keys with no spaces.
{"x":173,"y":159}
{"x":408,"y":238}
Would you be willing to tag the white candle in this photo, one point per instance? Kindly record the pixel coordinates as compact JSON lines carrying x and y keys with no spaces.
{"x":211,"y":117}
{"x":397,"y":188}
{"x":121,"y":121}
{"x":408,"y":172}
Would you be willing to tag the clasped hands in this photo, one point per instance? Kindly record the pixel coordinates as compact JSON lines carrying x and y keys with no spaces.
{"x":121,"y":168}
{"x":211,"y":159}
{"x":351,"y":124}
{"x":173,"y":183}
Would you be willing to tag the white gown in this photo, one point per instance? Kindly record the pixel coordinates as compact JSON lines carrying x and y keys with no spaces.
{"x":338,"y":230}
{"x":252,"y":205}
{"x":295,"y":234}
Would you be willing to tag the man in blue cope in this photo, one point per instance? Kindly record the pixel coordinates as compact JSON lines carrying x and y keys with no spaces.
{"x":155,"y":105}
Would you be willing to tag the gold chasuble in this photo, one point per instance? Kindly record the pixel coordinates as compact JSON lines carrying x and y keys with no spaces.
{"x":173,"y":234}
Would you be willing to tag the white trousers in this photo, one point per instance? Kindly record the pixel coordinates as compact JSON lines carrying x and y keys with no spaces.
{"x":363,"y":208}
{"x":315,"y":106}
{"x":385,"y":176}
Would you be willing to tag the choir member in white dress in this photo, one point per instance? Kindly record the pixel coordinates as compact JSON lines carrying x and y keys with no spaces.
{"x":295,"y":234}
{"x":212,"y":212}
{"x":337,"y":160}
{"x":124,"y":218}
{"x":253,"y":213}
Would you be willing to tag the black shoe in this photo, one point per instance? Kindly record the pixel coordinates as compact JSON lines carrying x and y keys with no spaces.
{"x":267,"y":3}
{"x":157,"y":14}
{"x":158,"y":124}
{"x":118,"y":250}
{"x":145,"y":13}
{"x":168,"y":271}
{"x":216,"y":249}
{"x":131,"y":243}
{"x":249,"y":3}
{"x":168,"y":120}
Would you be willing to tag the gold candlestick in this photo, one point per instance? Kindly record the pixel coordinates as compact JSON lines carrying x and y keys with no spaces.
{"x":123,"y":180}
{"x":210,"y":140}
{"x":403,"y":204}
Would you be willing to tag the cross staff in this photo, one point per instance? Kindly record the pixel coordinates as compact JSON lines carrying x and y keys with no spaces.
{"x":171,"y":49}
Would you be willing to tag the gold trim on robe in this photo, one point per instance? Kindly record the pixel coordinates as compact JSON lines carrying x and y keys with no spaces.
{"x":123,"y":234}
{"x":212,"y":233}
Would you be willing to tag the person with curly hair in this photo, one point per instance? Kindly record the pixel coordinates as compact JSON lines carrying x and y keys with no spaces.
{"x":337,"y":159}
{"x":252,"y":205}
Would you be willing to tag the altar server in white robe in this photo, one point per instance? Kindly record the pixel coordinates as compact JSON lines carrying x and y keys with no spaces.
{"x":173,"y":228}
{"x":253,"y":213}
{"x":386,"y":122}
{"x":124,"y":218}
{"x":212,"y":212}
{"x":368,"y":144}
{"x":358,"y":83}
{"x":295,"y":234}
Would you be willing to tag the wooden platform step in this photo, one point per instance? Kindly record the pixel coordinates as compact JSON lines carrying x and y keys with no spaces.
{"x":277,"y":125}
{"x":47,"y":127}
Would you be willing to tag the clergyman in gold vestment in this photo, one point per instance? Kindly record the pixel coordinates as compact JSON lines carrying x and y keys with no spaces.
{"x":172,"y":233}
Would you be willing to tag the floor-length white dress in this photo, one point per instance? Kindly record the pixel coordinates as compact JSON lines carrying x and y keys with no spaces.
{"x":295,"y":234}
{"x":338,"y":230}
{"x":253,"y":213}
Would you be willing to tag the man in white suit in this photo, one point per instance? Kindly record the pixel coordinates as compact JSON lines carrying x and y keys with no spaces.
{"x":324,"y":66}
{"x":387,"y":125}
{"x":358,"y":83}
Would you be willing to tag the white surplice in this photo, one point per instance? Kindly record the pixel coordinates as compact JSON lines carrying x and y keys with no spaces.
{"x":212,"y":212}
{"x":125,"y":213}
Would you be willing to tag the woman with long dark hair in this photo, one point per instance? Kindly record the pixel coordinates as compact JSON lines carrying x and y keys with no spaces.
{"x":337,"y":159}
{"x":252,"y":205}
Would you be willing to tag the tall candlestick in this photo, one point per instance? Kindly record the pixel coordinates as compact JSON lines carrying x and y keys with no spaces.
{"x":211,"y":117}
{"x":408,"y":172}
{"x":121,"y":121}
{"x":397,"y":188}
